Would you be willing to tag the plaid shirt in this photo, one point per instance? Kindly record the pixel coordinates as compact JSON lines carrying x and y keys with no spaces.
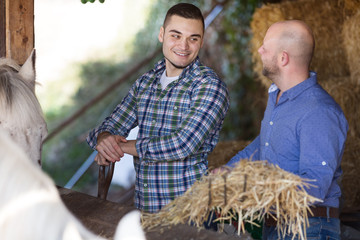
{"x":178,"y":127}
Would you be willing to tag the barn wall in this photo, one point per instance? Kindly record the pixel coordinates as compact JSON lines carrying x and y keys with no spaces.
{"x":2,"y":28}
{"x":16,"y":29}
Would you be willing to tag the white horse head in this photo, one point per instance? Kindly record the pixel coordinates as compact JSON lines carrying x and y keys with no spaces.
{"x":31,"y":208}
{"x":21,"y":116}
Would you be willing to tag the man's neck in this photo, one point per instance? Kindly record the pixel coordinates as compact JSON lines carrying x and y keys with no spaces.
{"x":172,"y":71}
{"x":288,"y":81}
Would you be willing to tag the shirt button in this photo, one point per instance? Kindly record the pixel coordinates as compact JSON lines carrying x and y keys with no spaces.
{"x":153,"y":121}
{"x":266,"y":144}
{"x":271,"y":122}
{"x":323,"y":163}
{"x":175,"y":108}
{"x":145,"y":185}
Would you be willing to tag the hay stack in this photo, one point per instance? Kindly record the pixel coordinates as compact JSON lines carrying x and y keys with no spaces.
{"x":351,"y":36}
{"x":251,"y":190}
{"x":324,"y":17}
{"x":351,"y":7}
{"x":351,"y":169}
{"x":347,"y":95}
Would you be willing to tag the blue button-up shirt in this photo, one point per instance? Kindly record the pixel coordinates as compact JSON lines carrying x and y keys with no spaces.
{"x":178,"y":127}
{"x":304,"y":133}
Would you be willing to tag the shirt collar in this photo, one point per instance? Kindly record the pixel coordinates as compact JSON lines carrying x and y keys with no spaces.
{"x":192,"y":67}
{"x":299,"y":88}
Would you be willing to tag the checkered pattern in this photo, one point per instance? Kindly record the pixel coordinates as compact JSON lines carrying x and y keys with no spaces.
{"x":178,"y":127}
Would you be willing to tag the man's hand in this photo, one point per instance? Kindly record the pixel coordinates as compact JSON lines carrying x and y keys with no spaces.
{"x":108,"y":147}
{"x":129,"y":147}
{"x":220,"y":170}
{"x":100,"y":160}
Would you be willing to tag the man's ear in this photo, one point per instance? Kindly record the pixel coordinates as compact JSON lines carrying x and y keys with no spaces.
{"x":284,"y":58}
{"x":27,"y":71}
{"x":161,"y":34}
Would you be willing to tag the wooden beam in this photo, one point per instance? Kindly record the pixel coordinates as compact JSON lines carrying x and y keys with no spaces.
{"x":19,"y":29}
{"x":2,"y":29}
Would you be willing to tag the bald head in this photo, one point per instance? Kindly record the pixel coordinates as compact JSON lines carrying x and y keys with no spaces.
{"x":296,"y":38}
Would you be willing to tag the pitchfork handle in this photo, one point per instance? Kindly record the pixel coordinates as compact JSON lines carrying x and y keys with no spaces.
{"x":104,"y":180}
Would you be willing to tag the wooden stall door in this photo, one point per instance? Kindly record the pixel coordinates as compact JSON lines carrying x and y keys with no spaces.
{"x":16,"y":29}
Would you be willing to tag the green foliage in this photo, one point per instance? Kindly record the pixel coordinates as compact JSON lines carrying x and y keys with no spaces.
{"x":91,"y":1}
{"x":243,"y":119}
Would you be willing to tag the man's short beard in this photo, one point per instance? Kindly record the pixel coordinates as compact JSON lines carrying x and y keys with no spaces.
{"x":176,"y":66}
{"x":266,"y":72}
{"x":270,"y":72}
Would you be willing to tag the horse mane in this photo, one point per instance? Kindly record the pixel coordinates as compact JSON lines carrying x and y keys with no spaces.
{"x":18,"y":104}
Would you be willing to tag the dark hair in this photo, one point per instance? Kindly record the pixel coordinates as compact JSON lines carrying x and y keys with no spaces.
{"x":185,"y":10}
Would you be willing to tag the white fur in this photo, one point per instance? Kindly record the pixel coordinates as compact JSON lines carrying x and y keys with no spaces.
{"x":21,"y":116}
{"x":31,"y":208}
{"x":129,"y":228}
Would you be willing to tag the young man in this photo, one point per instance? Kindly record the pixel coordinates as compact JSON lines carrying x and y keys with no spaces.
{"x":303,"y":130}
{"x":179,"y":107}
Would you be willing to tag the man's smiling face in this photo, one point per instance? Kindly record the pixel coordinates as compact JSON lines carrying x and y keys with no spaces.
{"x":182,"y":39}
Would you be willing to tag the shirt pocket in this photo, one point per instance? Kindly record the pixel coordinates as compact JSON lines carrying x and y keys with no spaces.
{"x":178,"y":109}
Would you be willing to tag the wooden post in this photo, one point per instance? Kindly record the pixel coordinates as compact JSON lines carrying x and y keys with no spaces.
{"x":16,"y":29}
{"x":2,"y":29}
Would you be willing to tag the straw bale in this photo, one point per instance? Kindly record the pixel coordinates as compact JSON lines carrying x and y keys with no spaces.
{"x":347,"y":95}
{"x":351,"y":7}
{"x":351,"y":167}
{"x":325,"y":19}
{"x":351,"y":38}
{"x":250,"y":190}
{"x":224,"y":151}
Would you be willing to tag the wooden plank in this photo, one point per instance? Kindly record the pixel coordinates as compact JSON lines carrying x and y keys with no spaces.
{"x":2,"y":29}
{"x":102,"y":217}
{"x":19,"y":29}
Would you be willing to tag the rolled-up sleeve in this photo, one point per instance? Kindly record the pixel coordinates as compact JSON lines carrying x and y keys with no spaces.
{"x":249,"y":152}
{"x":322,"y":137}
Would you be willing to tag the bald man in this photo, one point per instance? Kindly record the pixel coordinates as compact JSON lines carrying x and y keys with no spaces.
{"x":304,"y":129}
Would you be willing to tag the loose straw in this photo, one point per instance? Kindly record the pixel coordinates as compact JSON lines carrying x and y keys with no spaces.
{"x":252,"y":189}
